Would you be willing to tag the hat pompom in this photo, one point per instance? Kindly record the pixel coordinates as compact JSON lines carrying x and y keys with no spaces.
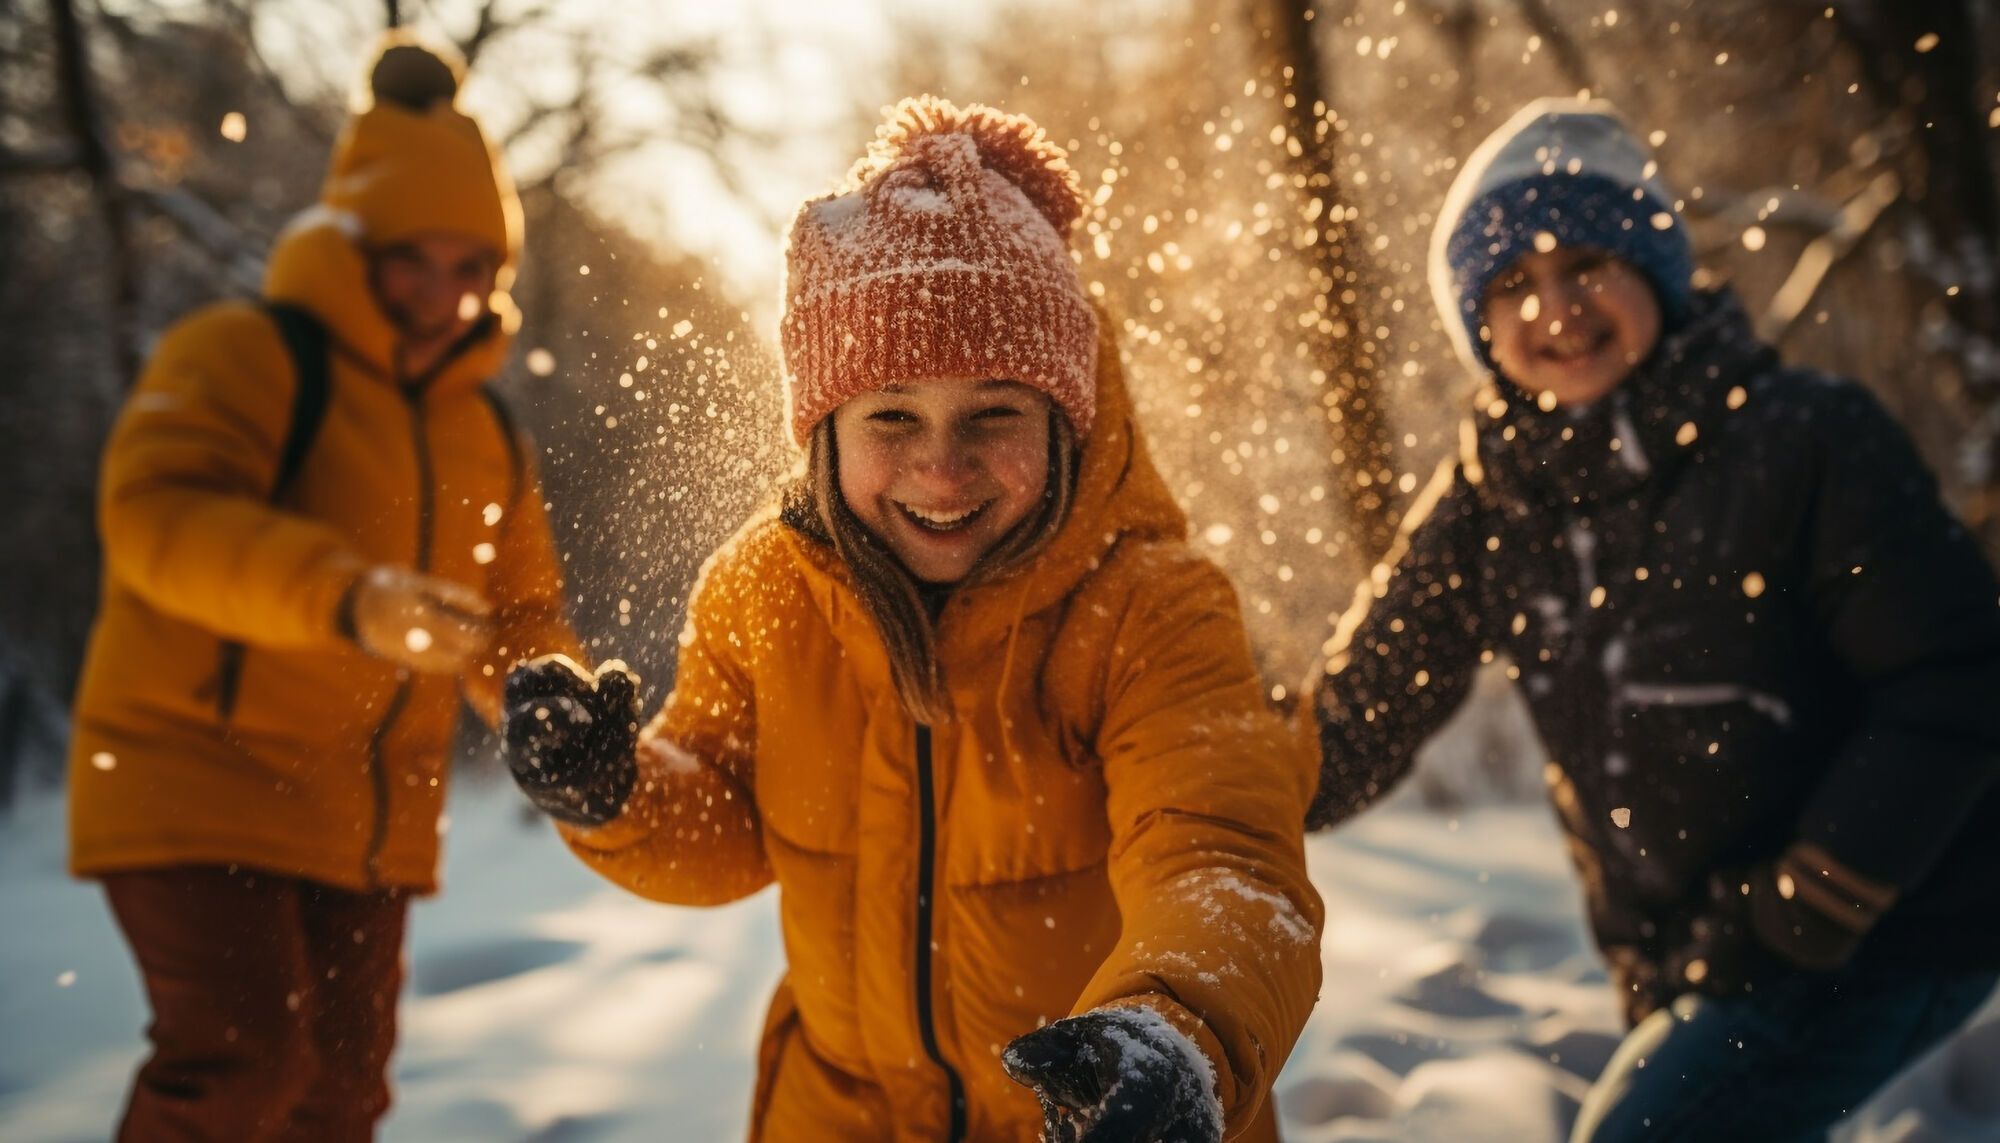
{"x":1011,"y":146}
{"x":413,"y":76}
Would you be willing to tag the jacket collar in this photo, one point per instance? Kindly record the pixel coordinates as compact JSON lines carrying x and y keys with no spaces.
{"x":318,"y":266}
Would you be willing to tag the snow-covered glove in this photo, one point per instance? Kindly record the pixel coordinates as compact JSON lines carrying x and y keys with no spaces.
{"x":1117,"y":1075}
{"x":1804,"y":912}
{"x":572,"y":737}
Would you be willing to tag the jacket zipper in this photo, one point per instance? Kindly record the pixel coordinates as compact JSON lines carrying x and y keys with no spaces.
{"x":926,"y":893}
{"x":378,"y":767}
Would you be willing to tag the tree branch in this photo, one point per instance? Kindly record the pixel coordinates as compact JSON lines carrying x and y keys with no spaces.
{"x":47,"y":159}
{"x":491,"y":26}
{"x":1822,"y":254}
{"x":1568,"y":54}
{"x":219,"y":238}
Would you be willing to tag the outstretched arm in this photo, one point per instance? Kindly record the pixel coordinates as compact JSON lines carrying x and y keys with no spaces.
{"x":1207,"y":787}
{"x":683,"y":827}
{"x":1402,"y":658}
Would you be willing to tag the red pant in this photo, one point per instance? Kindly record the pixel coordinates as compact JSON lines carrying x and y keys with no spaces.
{"x":274,"y":1004}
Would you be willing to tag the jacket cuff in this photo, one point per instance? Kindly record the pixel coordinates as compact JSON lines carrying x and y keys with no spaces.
{"x":1810,"y":875}
{"x":343,"y":611}
{"x":1814,"y":910}
{"x":1229,"y":1090}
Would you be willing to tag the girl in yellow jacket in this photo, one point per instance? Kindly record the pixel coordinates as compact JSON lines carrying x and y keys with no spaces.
{"x":968,"y":697}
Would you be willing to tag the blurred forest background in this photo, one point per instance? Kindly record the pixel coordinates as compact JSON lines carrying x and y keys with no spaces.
{"x":1263,"y":178}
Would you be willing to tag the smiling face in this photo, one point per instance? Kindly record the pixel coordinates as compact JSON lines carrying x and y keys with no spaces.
{"x":433,"y":286}
{"x":941,"y":470}
{"x":1571,"y":322}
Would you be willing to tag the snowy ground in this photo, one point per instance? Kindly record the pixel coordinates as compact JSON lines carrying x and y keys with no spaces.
{"x":1461,"y":1003}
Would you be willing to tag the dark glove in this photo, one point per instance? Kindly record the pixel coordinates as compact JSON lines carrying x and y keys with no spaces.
{"x":1117,"y":1075}
{"x":1804,"y":912}
{"x":572,"y":737}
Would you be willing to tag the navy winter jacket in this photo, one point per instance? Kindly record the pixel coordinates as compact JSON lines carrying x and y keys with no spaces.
{"x":1741,"y":617}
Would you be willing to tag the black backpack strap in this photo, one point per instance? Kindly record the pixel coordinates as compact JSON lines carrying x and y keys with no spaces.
{"x":308,"y":345}
{"x":515,"y":457}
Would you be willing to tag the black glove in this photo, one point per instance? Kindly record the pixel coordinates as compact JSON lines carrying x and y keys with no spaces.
{"x":1804,"y":912}
{"x":572,"y":736}
{"x":1116,"y":1075}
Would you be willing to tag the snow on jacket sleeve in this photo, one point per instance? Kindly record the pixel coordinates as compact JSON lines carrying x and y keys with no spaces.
{"x":1910,"y":606}
{"x":1207,"y":788}
{"x":184,"y":507}
{"x":525,"y":586}
{"x":1403,"y":657}
{"x":691,"y":834}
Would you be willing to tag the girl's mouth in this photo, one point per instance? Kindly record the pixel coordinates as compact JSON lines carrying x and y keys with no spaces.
{"x":943,"y":520}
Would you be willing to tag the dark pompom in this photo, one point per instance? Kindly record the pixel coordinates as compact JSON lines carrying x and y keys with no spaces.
{"x":413,"y":77}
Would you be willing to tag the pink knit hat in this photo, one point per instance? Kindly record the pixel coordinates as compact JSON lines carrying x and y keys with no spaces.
{"x":946,"y":256}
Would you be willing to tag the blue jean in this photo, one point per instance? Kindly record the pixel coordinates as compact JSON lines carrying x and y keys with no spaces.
{"x":1784,"y":1064}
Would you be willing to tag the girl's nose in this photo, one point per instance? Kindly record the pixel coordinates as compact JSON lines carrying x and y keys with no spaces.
{"x":943,"y":457}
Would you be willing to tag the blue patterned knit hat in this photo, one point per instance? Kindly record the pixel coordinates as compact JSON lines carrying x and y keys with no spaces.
{"x":1568,"y":168}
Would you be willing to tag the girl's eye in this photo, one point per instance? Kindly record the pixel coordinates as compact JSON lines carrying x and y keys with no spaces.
{"x":892,"y":417}
{"x":997,"y":412}
{"x":1510,"y":285}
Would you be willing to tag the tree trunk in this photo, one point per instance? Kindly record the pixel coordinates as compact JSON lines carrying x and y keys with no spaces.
{"x":1921,"y":58}
{"x":1362,"y":451}
{"x":100,"y":163}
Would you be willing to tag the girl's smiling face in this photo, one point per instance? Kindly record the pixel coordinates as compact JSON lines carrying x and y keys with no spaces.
{"x":1571,"y":322}
{"x":942,"y":469}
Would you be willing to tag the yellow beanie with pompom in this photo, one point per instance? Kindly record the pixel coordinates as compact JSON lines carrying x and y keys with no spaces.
{"x":412,"y":163}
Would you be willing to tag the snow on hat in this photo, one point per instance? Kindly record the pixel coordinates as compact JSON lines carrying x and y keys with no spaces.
{"x":946,"y":255}
{"x":411,"y":162}
{"x":1568,"y":168}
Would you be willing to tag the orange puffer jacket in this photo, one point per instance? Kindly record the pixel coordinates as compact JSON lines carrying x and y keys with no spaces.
{"x":329,"y":764}
{"x":1113,"y":817}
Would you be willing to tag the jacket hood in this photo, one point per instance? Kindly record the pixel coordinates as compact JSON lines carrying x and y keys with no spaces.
{"x":318,"y":265}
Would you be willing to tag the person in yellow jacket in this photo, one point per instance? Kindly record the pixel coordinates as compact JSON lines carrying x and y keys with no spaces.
{"x":294,"y":597}
{"x":967,"y":696}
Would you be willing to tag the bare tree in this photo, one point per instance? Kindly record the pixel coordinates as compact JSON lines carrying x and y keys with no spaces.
{"x":94,"y":153}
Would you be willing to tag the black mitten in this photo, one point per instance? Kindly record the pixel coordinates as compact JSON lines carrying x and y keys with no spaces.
{"x":1117,"y":1075}
{"x":571,"y":737}
{"x":1804,"y":912}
